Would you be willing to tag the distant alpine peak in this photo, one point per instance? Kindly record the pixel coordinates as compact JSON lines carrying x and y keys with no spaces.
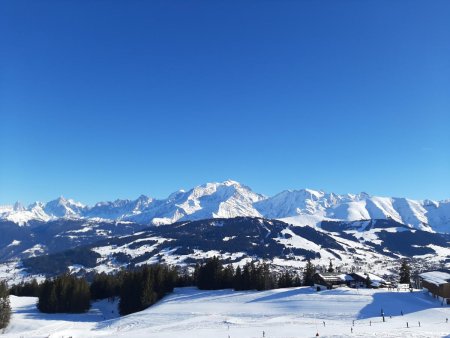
{"x":18,"y":206}
{"x":230,"y":182}
{"x":230,"y":198}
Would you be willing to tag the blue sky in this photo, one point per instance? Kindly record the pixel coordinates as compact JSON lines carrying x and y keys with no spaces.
{"x":108,"y":99}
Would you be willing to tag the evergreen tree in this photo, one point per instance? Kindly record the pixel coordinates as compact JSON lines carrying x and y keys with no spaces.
{"x":210,"y":274}
{"x":368,"y":282}
{"x":5,"y":307}
{"x":238,"y":280}
{"x":105,"y":286}
{"x":330,"y":267}
{"x":184,"y":278}
{"x":297,"y":281}
{"x":27,"y":289}
{"x":145,"y":286}
{"x":148,"y":294}
{"x":227,"y":277}
{"x":65,"y":293}
{"x":285,"y":280}
{"x":310,"y":270}
{"x":266,"y":279}
{"x":405,"y":273}
{"x":246,"y":277}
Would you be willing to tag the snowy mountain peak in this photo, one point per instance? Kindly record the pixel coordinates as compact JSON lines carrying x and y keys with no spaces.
{"x":18,"y":206}
{"x":230,"y":182}
{"x":231,"y":199}
{"x":62,"y":207}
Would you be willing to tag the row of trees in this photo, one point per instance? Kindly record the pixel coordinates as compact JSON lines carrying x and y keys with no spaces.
{"x":142,"y":287}
{"x":137,"y":289}
{"x":26,"y":289}
{"x":145,"y":286}
{"x":66,"y":293}
{"x":212,"y":275}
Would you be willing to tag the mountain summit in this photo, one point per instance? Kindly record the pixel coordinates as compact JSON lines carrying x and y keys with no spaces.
{"x":230,"y":199}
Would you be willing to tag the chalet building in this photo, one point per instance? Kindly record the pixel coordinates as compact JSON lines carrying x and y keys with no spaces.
{"x":437,"y":283}
{"x":353,"y":280}
{"x":331,"y":280}
{"x":359,"y":280}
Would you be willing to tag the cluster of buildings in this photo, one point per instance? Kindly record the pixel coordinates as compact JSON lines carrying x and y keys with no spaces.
{"x":353,"y":280}
{"x":437,"y":283}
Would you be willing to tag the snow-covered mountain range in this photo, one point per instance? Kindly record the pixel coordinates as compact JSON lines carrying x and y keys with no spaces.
{"x":230,"y":199}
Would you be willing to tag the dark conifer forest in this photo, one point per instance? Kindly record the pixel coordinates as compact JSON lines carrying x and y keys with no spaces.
{"x":141,"y":287}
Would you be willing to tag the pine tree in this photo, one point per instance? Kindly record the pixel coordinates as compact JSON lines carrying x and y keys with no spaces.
{"x":209,"y":275}
{"x":310,"y":270}
{"x":266,"y":280}
{"x":27,"y":289}
{"x":330,"y":267}
{"x":145,"y":286}
{"x":65,"y":293}
{"x":5,"y":307}
{"x":237,"y":280}
{"x":246,"y":277}
{"x":405,"y":273}
{"x":297,"y":281}
{"x":285,"y":280}
{"x":227,"y":277}
{"x":148,"y":295}
{"x":105,"y":286}
{"x":368,"y":282}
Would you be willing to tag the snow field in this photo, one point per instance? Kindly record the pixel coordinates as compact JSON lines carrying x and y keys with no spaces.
{"x":281,"y":313}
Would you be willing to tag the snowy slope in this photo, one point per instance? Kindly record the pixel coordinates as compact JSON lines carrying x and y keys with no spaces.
{"x":294,"y":312}
{"x":379,"y":244}
{"x":308,"y":207}
{"x":231,"y":199}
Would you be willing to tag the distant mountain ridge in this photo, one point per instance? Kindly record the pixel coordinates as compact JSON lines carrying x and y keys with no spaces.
{"x":230,"y":199}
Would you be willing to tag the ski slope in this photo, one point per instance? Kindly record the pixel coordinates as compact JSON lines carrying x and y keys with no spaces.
{"x":294,"y":312}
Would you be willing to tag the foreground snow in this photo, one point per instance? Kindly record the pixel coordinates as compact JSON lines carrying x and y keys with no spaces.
{"x":295,"y":312}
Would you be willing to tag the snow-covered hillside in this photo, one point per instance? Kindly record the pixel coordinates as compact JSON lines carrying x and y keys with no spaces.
{"x":371,"y":244}
{"x":281,"y":313}
{"x":230,"y":199}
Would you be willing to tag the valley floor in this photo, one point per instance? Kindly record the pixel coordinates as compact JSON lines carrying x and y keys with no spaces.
{"x":281,"y":313}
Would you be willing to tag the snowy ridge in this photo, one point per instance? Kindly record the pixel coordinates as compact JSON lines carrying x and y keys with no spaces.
{"x":230,"y":199}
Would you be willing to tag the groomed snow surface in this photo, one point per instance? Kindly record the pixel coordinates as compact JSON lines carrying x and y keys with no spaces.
{"x":295,"y":312}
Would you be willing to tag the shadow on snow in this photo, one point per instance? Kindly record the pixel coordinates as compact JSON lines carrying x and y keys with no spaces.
{"x":396,"y":303}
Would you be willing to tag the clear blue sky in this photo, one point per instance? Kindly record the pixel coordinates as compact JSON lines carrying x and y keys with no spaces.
{"x":108,"y":99}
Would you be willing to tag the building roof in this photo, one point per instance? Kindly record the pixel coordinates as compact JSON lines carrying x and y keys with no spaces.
{"x":436,"y":277}
{"x":335,"y":277}
{"x":345,"y":277}
{"x":373,"y":278}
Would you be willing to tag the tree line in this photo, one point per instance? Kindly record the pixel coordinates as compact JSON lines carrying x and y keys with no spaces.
{"x":212,"y":275}
{"x":65,"y":293}
{"x":138,"y":289}
{"x":141,"y":287}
